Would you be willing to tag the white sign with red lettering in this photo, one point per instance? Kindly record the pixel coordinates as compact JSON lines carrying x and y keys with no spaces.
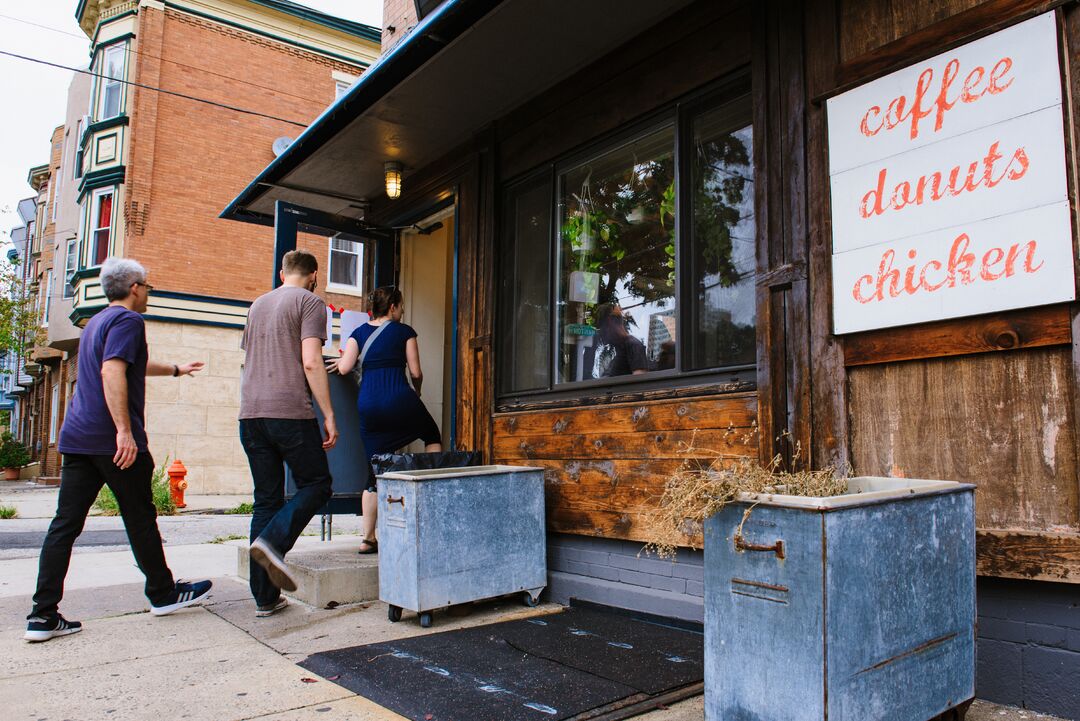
{"x":949,"y":191}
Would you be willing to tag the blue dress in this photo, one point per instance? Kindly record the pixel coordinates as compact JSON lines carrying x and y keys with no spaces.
{"x":391,"y":414}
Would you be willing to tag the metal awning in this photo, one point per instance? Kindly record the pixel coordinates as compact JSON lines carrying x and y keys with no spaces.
{"x":465,"y":65}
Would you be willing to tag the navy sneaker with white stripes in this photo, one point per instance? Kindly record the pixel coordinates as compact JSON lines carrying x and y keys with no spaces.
{"x":184,"y":595}
{"x":42,"y":629}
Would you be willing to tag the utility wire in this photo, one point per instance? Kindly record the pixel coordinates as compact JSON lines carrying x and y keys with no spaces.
{"x":129,"y":50}
{"x":151,"y":87}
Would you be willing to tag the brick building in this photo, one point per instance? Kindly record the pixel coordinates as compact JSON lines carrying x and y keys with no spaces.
{"x":188,"y":100}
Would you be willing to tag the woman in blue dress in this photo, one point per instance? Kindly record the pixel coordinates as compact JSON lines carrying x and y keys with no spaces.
{"x":391,"y":412}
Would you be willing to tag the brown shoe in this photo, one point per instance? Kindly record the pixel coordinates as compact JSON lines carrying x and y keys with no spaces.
{"x":372,"y":546}
{"x":267,"y":556}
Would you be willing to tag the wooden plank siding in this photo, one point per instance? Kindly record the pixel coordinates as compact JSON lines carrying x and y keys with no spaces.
{"x":989,"y":399}
{"x":606,"y":466}
{"x":1003,"y":421}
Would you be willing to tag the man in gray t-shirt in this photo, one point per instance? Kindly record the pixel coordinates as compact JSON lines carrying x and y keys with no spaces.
{"x":283,"y":369}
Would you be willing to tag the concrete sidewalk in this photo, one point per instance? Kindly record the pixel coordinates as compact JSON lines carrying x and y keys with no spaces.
{"x":220,"y":663}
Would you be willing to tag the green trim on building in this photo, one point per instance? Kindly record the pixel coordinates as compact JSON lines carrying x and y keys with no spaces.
{"x":310,"y":48}
{"x":108,"y":44}
{"x":108,"y":21}
{"x":346,"y":26}
{"x":84,"y":273}
{"x":100,"y":179}
{"x":122,"y":119}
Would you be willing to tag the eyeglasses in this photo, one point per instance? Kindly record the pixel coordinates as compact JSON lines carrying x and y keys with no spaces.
{"x":145,"y":285}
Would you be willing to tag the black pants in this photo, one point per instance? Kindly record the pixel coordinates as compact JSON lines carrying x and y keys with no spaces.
{"x":269,"y":444}
{"x":81,"y":477}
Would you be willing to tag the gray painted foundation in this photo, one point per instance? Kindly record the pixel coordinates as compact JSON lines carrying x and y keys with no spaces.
{"x":1028,"y":647}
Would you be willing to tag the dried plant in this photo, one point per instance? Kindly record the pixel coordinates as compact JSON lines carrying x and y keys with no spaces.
{"x":708,"y":480}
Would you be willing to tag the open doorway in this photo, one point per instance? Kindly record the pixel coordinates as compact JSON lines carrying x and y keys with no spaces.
{"x":427,"y":281}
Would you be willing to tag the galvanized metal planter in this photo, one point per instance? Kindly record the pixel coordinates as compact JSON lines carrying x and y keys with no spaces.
{"x":455,"y":535}
{"x":848,"y":608}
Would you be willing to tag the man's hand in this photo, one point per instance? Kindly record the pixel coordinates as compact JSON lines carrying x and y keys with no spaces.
{"x":331,"y":433}
{"x":188,"y":368}
{"x":126,"y":450}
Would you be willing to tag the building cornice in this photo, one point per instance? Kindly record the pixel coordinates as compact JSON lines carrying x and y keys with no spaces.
{"x":37,"y":176}
{"x":333,"y":42}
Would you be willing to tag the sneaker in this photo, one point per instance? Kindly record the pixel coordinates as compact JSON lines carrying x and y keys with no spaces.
{"x":271,"y":608}
{"x":42,"y":629}
{"x":184,"y":595}
{"x":267,"y":556}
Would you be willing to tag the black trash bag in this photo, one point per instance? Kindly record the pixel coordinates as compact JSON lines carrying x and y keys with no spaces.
{"x":387,"y":462}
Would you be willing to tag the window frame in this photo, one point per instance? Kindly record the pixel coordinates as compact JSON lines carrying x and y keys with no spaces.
{"x":343,"y":288}
{"x":54,"y":413}
{"x":680,"y":115}
{"x":104,"y":81}
{"x":95,"y":205}
{"x":71,"y":265}
{"x":47,"y":305}
{"x":80,"y":128}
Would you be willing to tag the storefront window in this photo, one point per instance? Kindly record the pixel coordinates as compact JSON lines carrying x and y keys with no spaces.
{"x":617,"y":228}
{"x":722,"y":239}
{"x":635,"y":262}
{"x":524,"y":277}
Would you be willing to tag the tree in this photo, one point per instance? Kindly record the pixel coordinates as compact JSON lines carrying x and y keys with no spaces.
{"x":19,"y":327}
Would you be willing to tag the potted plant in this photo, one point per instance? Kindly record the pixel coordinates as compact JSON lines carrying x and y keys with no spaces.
{"x":13,"y":456}
{"x":826,"y":596}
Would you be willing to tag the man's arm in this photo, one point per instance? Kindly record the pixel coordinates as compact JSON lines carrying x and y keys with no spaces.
{"x":311,"y":353}
{"x":114,"y":383}
{"x":153,"y":368}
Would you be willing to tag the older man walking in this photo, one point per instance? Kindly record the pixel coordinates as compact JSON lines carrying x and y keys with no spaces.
{"x":103,"y":441}
{"x":283,"y":368}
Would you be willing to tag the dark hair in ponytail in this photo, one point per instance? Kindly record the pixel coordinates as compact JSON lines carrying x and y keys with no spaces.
{"x":380,"y":300}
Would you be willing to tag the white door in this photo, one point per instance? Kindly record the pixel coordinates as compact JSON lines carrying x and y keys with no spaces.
{"x":427,"y":284}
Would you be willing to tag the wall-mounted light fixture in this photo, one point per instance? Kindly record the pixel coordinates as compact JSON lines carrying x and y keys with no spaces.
{"x":392,"y":170}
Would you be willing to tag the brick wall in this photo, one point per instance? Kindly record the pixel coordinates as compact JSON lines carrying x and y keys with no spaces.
{"x":188,"y":159}
{"x":1029,"y":645}
{"x":401,"y":15}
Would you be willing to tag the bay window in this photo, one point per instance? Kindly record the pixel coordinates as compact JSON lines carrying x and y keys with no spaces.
{"x":634,"y":261}
{"x":101,"y":221}
{"x":110,"y":84}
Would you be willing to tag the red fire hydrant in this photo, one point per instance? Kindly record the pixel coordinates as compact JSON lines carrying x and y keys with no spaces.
{"x":177,"y":484}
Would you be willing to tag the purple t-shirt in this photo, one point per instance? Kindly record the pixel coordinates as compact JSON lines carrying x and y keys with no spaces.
{"x":115,"y":332}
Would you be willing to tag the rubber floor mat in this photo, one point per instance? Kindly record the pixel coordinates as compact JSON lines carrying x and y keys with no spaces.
{"x":548,"y":667}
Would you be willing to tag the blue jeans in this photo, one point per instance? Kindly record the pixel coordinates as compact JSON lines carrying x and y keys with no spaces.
{"x":270,"y":443}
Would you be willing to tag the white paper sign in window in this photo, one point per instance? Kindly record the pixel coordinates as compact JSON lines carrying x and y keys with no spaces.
{"x":949,"y":190}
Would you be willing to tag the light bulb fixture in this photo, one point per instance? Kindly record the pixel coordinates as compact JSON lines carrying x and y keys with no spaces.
{"x":392,"y":171}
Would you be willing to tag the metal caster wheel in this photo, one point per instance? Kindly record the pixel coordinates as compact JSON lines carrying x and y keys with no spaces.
{"x":393,"y":613}
{"x":530,"y":600}
{"x":425,"y":619}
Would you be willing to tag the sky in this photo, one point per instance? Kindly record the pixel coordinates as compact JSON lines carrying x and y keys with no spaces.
{"x":36,"y":94}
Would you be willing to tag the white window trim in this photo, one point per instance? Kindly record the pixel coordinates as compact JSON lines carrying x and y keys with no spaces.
{"x":344,"y":289}
{"x":54,"y":416}
{"x":71,"y":264}
{"x":103,"y":80}
{"x":95,"y":204}
{"x":48,"y":301}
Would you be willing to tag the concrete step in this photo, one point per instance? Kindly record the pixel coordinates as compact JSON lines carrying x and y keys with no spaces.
{"x":327,"y":571}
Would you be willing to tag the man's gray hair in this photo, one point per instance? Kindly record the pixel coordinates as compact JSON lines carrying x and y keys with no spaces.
{"x":118,"y":275}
